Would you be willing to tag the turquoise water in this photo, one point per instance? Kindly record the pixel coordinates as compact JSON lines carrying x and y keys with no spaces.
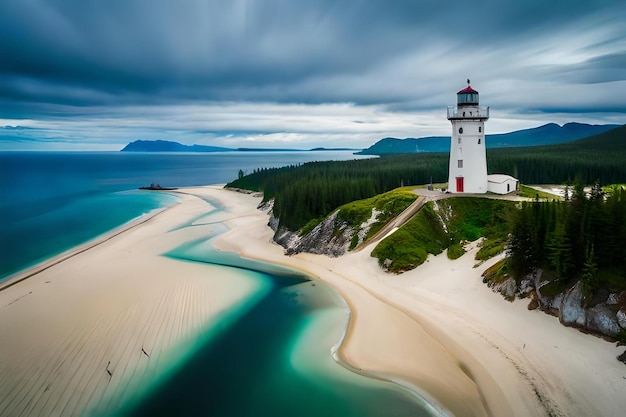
{"x":272,"y":358}
{"x":276,"y":360}
{"x":53,"y":201}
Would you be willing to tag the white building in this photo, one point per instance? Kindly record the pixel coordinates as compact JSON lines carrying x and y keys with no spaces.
{"x":467,"y":171}
{"x":501,"y":183}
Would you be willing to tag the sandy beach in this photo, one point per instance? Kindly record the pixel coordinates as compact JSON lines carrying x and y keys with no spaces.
{"x":441,"y":329}
{"x":87,"y":329}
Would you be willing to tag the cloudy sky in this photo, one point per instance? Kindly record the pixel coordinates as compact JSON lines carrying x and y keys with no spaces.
{"x":87,"y":74}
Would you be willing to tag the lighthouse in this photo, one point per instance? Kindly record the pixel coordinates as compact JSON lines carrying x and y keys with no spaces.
{"x":468,"y":160}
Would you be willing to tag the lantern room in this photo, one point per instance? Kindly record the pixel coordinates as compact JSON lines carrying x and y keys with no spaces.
{"x":467,"y":97}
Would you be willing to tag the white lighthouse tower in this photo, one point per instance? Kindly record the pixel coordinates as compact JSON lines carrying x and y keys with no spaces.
{"x":468,"y":160}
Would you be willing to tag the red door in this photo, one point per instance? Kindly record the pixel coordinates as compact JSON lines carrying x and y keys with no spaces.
{"x":459,"y":184}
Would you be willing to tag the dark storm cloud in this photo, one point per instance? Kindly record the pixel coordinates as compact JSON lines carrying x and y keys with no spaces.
{"x":63,"y":58}
{"x":82,"y":51}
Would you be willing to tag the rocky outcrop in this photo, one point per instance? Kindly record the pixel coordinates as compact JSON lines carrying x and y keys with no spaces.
{"x":507,"y":288}
{"x":621,"y":318}
{"x":605,"y":314}
{"x":330,"y":237}
{"x":572,"y":312}
{"x":602,"y":319}
{"x":283,"y":236}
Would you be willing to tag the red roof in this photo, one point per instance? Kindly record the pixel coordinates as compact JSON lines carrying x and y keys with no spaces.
{"x":468,"y":89}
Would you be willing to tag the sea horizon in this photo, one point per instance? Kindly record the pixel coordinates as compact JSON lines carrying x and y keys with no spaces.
{"x":46,"y":194}
{"x":308,"y":319}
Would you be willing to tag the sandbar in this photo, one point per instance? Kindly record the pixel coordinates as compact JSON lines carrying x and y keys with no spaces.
{"x":80,"y":333}
{"x":87,"y":331}
{"x":439,"y":330}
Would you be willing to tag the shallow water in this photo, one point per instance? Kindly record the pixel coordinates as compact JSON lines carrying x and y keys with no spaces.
{"x":277,"y":359}
{"x":53,"y":201}
{"x":270,"y":357}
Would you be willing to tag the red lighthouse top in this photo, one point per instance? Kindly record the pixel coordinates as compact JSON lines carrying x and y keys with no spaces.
{"x":467,"y":96}
{"x":468,"y":89}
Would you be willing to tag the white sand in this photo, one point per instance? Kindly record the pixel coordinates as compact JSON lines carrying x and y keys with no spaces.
{"x":440,"y":328}
{"x":437,"y":327}
{"x":61,"y":327}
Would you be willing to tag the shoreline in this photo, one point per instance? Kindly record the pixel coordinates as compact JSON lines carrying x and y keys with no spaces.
{"x":39,"y":267}
{"x":94,"y":328}
{"x":498,"y":357}
{"x":437,"y":330}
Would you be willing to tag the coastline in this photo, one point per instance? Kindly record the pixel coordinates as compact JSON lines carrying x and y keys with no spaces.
{"x":437,"y":330}
{"x":65,"y":255}
{"x":440,"y":328}
{"x":93,"y":329}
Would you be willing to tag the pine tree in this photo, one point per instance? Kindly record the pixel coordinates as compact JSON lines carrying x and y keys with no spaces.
{"x":559,"y":254}
{"x":589,"y":278}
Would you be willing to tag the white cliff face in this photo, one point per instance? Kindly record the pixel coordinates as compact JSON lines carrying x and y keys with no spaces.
{"x":365,"y":227}
{"x":331,"y":237}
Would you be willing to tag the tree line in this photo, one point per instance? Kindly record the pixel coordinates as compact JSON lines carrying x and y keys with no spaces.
{"x":309,"y":191}
{"x":577,"y":238}
{"x":312,"y":190}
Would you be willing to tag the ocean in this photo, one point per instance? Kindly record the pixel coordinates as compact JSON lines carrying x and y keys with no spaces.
{"x":273,"y":360}
{"x":53,"y":201}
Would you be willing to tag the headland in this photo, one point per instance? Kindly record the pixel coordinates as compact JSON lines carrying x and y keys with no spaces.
{"x":84,"y":329}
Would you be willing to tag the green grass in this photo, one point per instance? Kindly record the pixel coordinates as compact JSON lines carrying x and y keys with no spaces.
{"x":309,"y":226}
{"x":466,"y":219}
{"x":410,"y":245}
{"x":389,"y":204}
{"x":455,"y":251}
{"x":529,"y":192}
{"x":496,"y":273}
{"x":490,"y":248}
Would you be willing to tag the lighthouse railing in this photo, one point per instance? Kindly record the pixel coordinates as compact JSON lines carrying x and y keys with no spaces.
{"x":463,"y":112}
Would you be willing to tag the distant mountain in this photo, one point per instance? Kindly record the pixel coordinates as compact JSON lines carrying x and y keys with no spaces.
{"x":169,"y":146}
{"x":613,"y":139}
{"x":548,"y":134}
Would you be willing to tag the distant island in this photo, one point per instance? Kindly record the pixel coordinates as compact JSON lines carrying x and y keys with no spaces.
{"x":171,"y":146}
{"x":158,"y":187}
{"x":549,"y":134}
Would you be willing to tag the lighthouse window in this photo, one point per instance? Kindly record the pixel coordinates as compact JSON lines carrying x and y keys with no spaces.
{"x":460,"y":130}
{"x":479,"y":141}
{"x":459,"y":140}
{"x":460,"y":163}
{"x":480,"y":129}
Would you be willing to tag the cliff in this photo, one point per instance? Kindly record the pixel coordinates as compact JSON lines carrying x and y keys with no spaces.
{"x":603,"y":314}
{"x":448,"y":224}
{"x":345,"y":228}
{"x":332,"y":236}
